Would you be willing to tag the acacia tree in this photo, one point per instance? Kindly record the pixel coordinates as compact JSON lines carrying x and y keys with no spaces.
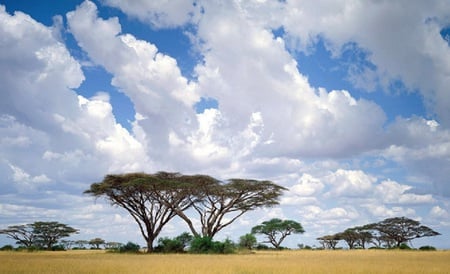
{"x":96,"y":242}
{"x":43,"y":234}
{"x":23,"y":234}
{"x":276,"y":230}
{"x":49,"y":233}
{"x":350,"y":236}
{"x":247,"y":241}
{"x":401,"y":230}
{"x":219,"y":204}
{"x":329,"y":241}
{"x":146,"y":197}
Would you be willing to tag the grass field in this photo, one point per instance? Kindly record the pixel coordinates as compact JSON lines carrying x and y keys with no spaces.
{"x":343,"y":261}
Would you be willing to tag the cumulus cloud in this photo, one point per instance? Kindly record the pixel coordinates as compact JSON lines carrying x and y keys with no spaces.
{"x":394,"y":193}
{"x":167,"y":14}
{"x":52,"y":138}
{"x":403,"y":41}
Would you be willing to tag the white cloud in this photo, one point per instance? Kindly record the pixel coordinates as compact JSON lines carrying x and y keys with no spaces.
{"x":158,"y":13}
{"x":350,"y":183}
{"x":307,"y":186}
{"x":394,"y":193}
{"x":402,"y":39}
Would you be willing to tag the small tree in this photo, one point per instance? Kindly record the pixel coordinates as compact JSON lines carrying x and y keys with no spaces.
{"x":248,"y":241}
{"x":96,"y":242}
{"x":276,"y":230}
{"x":329,"y":241}
{"x":81,"y":244}
{"x":350,"y":236}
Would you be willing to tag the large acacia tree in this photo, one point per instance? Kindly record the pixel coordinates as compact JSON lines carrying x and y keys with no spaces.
{"x":141,"y":195}
{"x":219,"y":204}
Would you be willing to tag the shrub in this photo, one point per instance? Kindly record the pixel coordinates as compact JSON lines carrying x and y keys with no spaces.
{"x":167,"y":245}
{"x":404,"y":246}
{"x":205,"y":245}
{"x":427,"y":248}
{"x":247,"y":241}
{"x":7,"y":248}
{"x":58,"y":248}
{"x":129,"y":248}
{"x":262,"y":247}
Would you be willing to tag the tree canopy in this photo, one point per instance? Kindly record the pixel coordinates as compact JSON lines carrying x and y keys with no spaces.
{"x":154,"y":199}
{"x":145,"y":197}
{"x":40,"y":234}
{"x":391,"y":232}
{"x":400,"y":230}
{"x":276,"y":230}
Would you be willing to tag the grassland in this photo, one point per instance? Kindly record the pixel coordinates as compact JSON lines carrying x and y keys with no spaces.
{"x":344,"y":261}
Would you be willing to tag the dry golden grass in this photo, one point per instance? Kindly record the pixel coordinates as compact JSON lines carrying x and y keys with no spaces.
{"x":358,"y":261}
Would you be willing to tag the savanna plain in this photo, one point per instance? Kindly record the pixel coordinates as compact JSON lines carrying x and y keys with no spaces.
{"x":294,"y":261}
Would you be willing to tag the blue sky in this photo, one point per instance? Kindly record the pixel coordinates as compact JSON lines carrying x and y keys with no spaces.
{"x":346,"y":105}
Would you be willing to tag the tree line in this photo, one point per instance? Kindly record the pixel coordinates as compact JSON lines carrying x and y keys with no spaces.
{"x":389,"y":233}
{"x":154,"y":199}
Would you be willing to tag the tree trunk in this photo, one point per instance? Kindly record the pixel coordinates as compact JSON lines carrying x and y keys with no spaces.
{"x":150,"y":246}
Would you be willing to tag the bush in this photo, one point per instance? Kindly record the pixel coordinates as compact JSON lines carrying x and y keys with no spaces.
{"x":58,"y":248}
{"x":404,"y":246}
{"x":262,"y":247}
{"x":175,"y":245}
{"x":247,"y":241}
{"x":129,"y":248}
{"x":427,"y":248}
{"x":205,"y":245}
{"x":167,"y":245}
{"x":7,"y":248}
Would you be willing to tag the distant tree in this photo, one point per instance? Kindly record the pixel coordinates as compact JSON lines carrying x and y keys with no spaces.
{"x":67,"y":244}
{"x":81,"y":244}
{"x":351,"y":237}
{"x":400,"y":230}
{"x":23,"y":234}
{"x":276,"y":230}
{"x":248,"y":241}
{"x":113,"y":245}
{"x":329,"y":241}
{"x":364,"y":236}
{"x":49,"y":233}
{"x":96,"y":242}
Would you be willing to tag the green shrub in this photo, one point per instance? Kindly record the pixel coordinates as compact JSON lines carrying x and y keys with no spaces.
{"x":404,"y":246}
{"x":427,"y":248}
{"x":205,"y":245}
{"x":129,"y":248}
{"x":167,"y":245}
{"x":247,"y":241}
{"x":7,"y":248}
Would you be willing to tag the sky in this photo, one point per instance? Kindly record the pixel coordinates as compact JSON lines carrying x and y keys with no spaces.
{"x":345,"y":103}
